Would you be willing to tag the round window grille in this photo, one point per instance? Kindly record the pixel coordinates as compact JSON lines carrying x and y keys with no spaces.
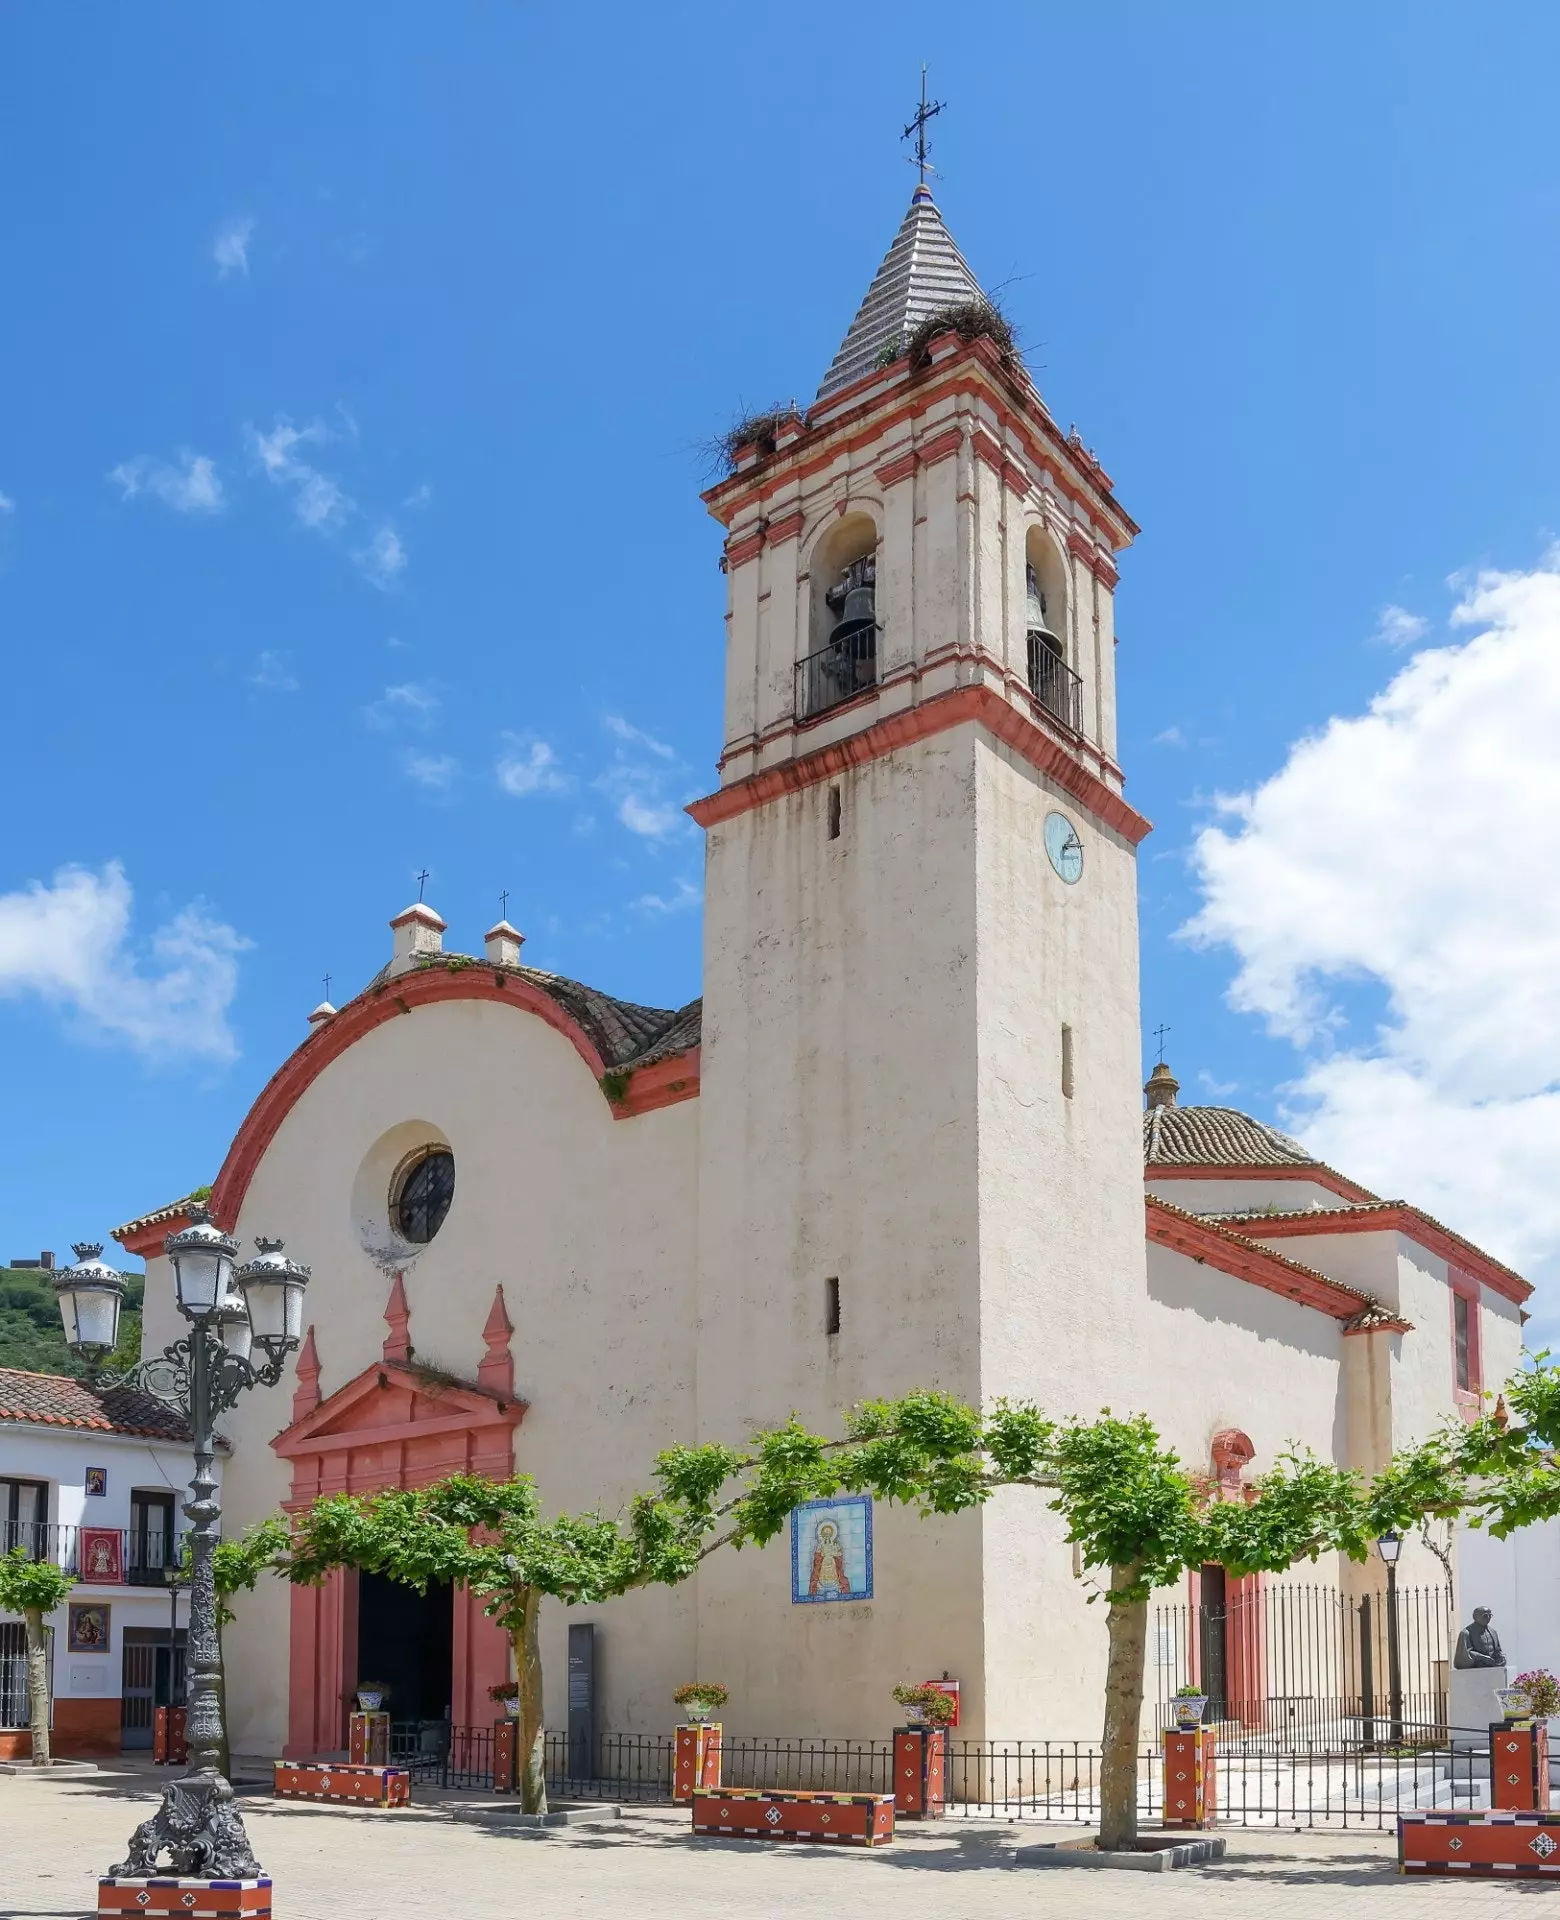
{"x":421,"y":1196}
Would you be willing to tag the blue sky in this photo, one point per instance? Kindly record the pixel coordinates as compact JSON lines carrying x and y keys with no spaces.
{"x":359,"y":361}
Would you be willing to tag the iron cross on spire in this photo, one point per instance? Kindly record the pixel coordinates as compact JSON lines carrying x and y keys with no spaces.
{"x":917,"y":127}
{"x":327,"y":987}
{"x":1159,"y":1034}
{"x":422,"y":881}
{"x":503,"y":904}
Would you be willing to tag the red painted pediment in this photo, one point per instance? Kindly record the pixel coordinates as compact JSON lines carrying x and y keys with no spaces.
{"x":391,"y":1402}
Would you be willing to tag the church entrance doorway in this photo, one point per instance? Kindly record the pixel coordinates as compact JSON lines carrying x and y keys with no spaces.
{"x":406,"y":1640}
{"x":1213,"y":1624}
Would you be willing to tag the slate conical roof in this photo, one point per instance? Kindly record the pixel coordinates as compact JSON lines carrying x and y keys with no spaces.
{"x":922,"y":272}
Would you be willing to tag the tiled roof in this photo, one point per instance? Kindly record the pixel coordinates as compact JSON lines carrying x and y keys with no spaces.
{"x":922,"y":272}
{"x":1343,"y":1302}
{"x":1217,"y":1137}
{"x":53,"y":1400}
{"x":159,"y":1215}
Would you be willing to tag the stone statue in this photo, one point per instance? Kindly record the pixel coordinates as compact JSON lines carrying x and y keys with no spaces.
{"x":1478,"y":1645}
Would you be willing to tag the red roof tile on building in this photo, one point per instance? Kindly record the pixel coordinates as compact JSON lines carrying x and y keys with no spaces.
{"x":54,"y":1400}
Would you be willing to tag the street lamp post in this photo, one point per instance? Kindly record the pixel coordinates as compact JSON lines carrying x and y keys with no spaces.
{"x":199,"y":1376}
{"x":1389,"y":1546}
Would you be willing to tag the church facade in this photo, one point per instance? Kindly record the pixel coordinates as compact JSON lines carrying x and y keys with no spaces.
{"x":899,"y":1141}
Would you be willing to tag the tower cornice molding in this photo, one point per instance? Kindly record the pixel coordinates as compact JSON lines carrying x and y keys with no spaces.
{"x":982,"y":705}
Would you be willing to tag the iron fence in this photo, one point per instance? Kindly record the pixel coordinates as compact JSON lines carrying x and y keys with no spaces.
{"x":1305,"y":1664}
{"x":15,"y":1699}
{"x":1311,"y":1784}
{"x":144,"y":1556}
{"x":1054,"y":684}
{"x":836,"y":672}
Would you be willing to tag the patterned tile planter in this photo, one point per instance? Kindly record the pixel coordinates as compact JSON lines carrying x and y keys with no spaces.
{"x":359,"y":1786}
{"x":368,"y":1739}
{"x":1519,"y":1766}
{"x":1524,"y":1846}
{"x":168,"y":1749}
{"x":920,"y":1773}
{"x":696,"y":1758}
{"x":773,"y":1813}
{"x":1191,"y":1778}
{"x":189,"y":1899}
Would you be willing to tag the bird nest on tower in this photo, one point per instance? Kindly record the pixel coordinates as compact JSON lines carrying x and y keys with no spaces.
{"x":970,"y":320}
{"x":756,"y":430}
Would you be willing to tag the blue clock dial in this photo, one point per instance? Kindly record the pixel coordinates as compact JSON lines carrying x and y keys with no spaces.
{"x":1063,"y":847}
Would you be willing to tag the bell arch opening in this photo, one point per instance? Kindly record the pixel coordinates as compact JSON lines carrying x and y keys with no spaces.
{"x":1051,"y":679}
{"x":841,"y":658}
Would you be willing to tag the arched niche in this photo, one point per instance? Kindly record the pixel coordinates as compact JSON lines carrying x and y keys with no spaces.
{"x":841,"y":657}
{"x":1051,"y":678}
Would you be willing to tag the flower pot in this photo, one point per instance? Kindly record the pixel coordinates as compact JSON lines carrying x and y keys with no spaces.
{"x":1516,"y":1703}
{"x":697,"y":1712}
{"x":512,"y":1707}
{"x":371,"y":1699}
{"x":1186,"y":1711}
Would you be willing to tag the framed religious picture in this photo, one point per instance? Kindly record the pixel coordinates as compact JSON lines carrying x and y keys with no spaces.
{"x":97,"y":1480}
{"x":89,"y":1626}
{"x":831,"y":1550}
{"x":100,"y":1556}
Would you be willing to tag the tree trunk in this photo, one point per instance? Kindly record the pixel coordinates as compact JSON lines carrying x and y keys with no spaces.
{"x":38,"y":1683}
{"x":1128,"y":1626}
{"x":530,"y":1733}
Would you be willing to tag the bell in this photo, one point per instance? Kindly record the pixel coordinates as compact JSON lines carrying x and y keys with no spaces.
{"x":860,"y":610}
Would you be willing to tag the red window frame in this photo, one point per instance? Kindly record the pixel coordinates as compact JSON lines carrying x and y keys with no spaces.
{"x":1463,"y":1287}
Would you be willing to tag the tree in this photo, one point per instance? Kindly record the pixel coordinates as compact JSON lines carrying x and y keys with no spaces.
{"x":489,"y":1536}
{"x":34,"y":1588}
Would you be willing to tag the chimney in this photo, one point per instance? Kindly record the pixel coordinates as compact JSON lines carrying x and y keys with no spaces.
{"x":1162,"y":1088}
{"x":322,"y":1015}
{"x":418,"y":932}
{"x":503,"y":944}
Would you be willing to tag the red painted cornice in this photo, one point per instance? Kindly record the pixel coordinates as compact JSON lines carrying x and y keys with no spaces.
{"x":1318,"y":1175}
{"x":1397,"y":1216}
{"x":1232,"y":1253}
{"x":462,"y":1406}
{"x":427,"y":986}
{"x":982,"y":705}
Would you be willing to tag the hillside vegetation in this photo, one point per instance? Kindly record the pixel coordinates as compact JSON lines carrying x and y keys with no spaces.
{"x":31,"y":1336}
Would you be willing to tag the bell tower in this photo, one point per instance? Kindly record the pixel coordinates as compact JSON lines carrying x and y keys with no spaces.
{"x":920,"y":1140}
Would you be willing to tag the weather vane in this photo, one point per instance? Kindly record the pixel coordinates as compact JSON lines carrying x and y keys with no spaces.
{"x":917,"y":127}
{"x":1159,"y":1034}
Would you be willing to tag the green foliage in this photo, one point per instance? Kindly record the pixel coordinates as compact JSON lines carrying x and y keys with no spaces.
{"x":701,"y":1693}
{"x":935,"y":1708}
{"x":28,"y":1585}
{"x":614,"y":1084}
{"x":1542,"y":1689}
{"x":31,"y":1336}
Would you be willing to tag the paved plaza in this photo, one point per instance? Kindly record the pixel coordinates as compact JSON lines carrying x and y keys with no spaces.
{"x":453,"y":1858}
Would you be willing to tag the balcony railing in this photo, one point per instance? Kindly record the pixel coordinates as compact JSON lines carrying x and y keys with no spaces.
{"x":836,"y":673}
{"x":144,"y":1558}
{"x":1054,"y":684}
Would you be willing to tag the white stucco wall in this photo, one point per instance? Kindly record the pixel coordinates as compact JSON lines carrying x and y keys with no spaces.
{"x":59,"y":1457}
{"x":1195,"y":1195}
{"x":589,"y":1223}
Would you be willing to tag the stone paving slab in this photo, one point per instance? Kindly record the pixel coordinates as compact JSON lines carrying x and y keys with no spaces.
{"x":339,"y":1863}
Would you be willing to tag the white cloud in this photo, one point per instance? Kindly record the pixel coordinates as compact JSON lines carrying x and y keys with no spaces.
{"x":188,"y":485}
{"x":69,"y":945}
{"x":436,"y":771}
{"x":528,"y":766}
{"x":7,"y":504}
{"x":683,"y":896}
{"x":274,"y":672}
{"x":382,"y":559}
{"x":1171,"y":737}
{"x":651,"y":818}
{"x":410,"y":703}
{"x":230,"y":246}
{"x":615,"y":723}
{"x":1397,"y":627}
{"x":319,"y":500}
{"x":419,"y":496}
{"x":1411,"y":848}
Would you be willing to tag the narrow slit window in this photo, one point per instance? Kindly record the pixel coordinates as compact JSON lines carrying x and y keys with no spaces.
{"x":834,"y":813}
{"x":1462,"y":1318}
{"x":831,"y":1305}
{"x":1067,"y":1061}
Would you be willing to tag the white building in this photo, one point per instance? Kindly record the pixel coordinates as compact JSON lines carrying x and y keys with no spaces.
{"x":896,"y":1144}
{"x":94,"y":1480}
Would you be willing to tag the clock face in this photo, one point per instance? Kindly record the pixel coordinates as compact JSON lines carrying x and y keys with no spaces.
{"x":1064,"y":847}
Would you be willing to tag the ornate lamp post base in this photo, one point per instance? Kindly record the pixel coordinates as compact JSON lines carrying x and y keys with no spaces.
{"x":199,"y":1827}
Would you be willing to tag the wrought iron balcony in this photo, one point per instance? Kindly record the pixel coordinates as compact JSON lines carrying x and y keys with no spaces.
{"x":1054,"y":684}
{"x":144,"y":1557}
{"x":836,"y":673}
